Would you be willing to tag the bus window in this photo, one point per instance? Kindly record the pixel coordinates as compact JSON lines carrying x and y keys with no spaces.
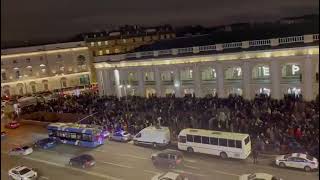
{"x":214,"y":141}
{"x":182,"y":139}
{"x":73,"y":135}
{"x":223,"y":142}
{"x":238,"y":144}
{"x":197,"y":139}
{"x":231,"y":143}
{"x":205,"y":140}
{"x":247,"y":140}
{"x":79,"y":136}
{"x":86,"y":137}
{"x":189,"y":138}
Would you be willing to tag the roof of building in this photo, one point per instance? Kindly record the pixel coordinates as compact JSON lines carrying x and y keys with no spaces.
{"x":254,"y":33}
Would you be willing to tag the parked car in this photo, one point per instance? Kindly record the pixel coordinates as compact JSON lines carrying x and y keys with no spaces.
{"x":154,"y":136}
{"x":12,"y":125}
{"x":84,"y":161}
{"x":168,"y":158}
{"x":22,"y":173}
{"x":169,"y":176}
{"x":297,"y":160}
{"x":257,"y":176}
{"x":24,"y":150}
{"x":122,"y":136}
{"x":46,"y":143}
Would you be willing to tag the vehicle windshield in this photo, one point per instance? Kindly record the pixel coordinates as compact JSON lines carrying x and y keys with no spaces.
{"x":24,"y":171}
{"x":25,"y":147}
{"x":125,"y":133}
{"x":309,"y":157}
{"x":287,"y":156}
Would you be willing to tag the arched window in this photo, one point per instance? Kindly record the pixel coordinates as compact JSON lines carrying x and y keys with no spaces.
{"x":63,"y":82}
{"x":45,"y":85}
{"x":20,"y":88}
{"x":81,"y":61}
{"x":33,"y":87}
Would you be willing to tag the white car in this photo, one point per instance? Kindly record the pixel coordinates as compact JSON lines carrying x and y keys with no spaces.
{"x":24,"y":150}
{"x":123,"y":136}
{"x":22,"y":172}
{"x":297,"y":160}
{"x":169,"y":176}
{"x":258,"y":176}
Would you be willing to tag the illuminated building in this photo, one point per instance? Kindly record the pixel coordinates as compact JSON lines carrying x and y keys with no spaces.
{"x":273,"y":65}
{"x":35,"y":69}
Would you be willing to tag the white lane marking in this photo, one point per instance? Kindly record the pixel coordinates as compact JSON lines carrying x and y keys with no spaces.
{"x":226,"y":173}
{"x":191,"y":167}
{"x":124,"y":155}
{"x":152,"y":172}
{"x":75,"y":169}
{"x":132,"y":156}
{"x":181,"y":171}
{"x":190,"y":160}
{"x":43,"y":177}
{"x":115,"y":164}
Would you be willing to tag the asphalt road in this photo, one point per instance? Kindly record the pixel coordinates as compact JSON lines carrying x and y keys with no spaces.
{"x":125,"y":161}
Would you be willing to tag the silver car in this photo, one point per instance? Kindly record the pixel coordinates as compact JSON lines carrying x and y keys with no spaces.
{"x":24,"y":150}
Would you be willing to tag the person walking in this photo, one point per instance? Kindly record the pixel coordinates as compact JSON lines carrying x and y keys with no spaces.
{"x":255,"y":156}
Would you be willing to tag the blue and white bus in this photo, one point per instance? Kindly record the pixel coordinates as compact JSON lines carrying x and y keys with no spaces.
{"x":77,"y":134}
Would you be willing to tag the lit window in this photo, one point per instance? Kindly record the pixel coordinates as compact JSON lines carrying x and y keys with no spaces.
{"x":107,"y":51}
{"x":92,"y":43}
{"x":186,"y":74}
{"x":124,"y":40}
{"x":100,"y":52}
{"x":117,"y":50}
{"x":208,"y":74}
{"x":43,"y":70}
{"x":106,"y":42}
{"x":99,"y":43}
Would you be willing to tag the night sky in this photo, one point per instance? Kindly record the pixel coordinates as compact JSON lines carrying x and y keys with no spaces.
{"x":23,"y":20}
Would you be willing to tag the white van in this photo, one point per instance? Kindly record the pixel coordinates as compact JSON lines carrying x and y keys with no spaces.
{"x":152,"y":135}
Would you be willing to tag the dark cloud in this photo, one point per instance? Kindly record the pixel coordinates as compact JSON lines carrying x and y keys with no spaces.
{"x":37,"y":19}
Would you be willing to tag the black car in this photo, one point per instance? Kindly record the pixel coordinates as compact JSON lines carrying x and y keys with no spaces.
{"x":169,"y":158}
{"x":46,"y":143}
{"x":84,"y":161}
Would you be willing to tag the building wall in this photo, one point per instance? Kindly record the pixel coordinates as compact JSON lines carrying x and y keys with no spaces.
{"x":284,"y":74}
{"x":23,"y":68}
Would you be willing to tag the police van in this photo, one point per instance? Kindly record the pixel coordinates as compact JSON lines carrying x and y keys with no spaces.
{"x":157,"y":136}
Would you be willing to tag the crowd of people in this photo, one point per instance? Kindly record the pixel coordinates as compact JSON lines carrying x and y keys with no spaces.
{"x":290,"y":122}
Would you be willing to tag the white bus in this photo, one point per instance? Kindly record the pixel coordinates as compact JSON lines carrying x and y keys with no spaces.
{"x":223,"y":144}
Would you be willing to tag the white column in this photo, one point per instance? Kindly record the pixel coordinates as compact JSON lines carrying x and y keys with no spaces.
{"x":220,"y":79}
{"x":117,"y":81}
{"x":141,"y":84}
{"x":197,"y":80}
{"x":177,"y":82}
{"x":246,"y":70}
{"x":158,"y":81}
{"x":107,"y":82}
{"x":307,"y":80}
{"x":100,"y":81}
{"x":275,"y":80}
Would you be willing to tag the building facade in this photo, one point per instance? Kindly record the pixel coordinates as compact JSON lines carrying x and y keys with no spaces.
{"x":274,"y":66}
{"x":44,"y":68}
{"x":125,"y":39}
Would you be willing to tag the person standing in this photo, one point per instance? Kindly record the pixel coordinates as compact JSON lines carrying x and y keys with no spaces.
{"x":255,"y":156}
